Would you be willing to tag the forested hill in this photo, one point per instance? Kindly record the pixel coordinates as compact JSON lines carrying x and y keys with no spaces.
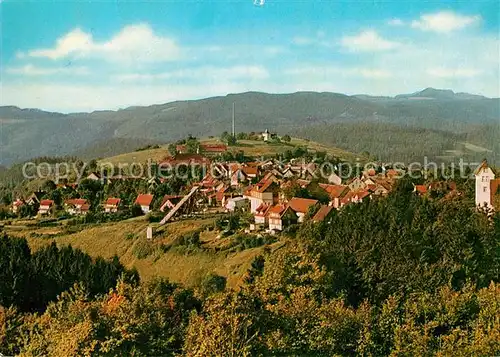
{"x":28,"y":133}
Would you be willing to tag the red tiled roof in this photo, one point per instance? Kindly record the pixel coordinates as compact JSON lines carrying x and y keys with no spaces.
{"x":262,"y":210}
{"x":391,"y":173}
{"x":185,"y":159}
{"x":336,"y":191}
{"x":362,"y":194}
{"x":421,"y":189}
{"x":303,"y":183}
{"x":46,"y":203}
{"x":248,"y":170}
{"x":220,"y":194}
{"x":322,"y":213}
{"x":279,"y":209}
{"x":384,"y":184}
{"x":301,"y":205}
{"x":170,"y":198}
{"x":144,"y":200}
{"x":76,"y":201}
{"x":85,"y":207}
{"x":213,"y":147}
{"x":262,"y":186}
{"x":347,"y":198}
{"x":113,"y":201}
{"x":234,"y":167}
{"x":18,"y":203}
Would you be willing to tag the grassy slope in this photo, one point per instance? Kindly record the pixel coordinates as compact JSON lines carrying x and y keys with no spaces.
{"x":249,"y":147}
{"x":109,"y":239}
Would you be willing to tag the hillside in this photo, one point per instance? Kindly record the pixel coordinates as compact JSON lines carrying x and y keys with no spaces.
{"x":28,"y":133}
{"x":252,"y":148}
{"x":389,"y":142}
{"x":126,"y":238}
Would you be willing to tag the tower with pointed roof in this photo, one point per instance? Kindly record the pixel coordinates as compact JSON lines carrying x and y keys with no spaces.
{"x":485,"y":185}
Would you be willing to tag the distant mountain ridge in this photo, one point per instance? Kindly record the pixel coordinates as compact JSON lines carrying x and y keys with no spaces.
{"x":444,"y":94}
{"x":28,"y":133}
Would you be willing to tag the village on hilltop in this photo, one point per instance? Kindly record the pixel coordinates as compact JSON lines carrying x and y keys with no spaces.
{"x":276,"y":193}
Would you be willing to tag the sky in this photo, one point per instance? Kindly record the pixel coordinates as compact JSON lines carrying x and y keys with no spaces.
{"x":90,"y":55}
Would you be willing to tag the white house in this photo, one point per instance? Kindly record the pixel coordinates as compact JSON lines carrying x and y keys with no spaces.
{"x":46,"y":207}
{"x":266,"y":135}
{"x":111,"y":205}
{"x":144,"y":200}
{"x":262,"y":192}
{"x":236,"y":203}
{"x":486,"y":185}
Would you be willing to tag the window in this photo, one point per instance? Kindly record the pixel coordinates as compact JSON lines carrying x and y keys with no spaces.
{"x":485,"y":189}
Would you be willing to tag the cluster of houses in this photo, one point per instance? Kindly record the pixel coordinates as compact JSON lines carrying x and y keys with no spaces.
{"x":263,"y":189}
{"x":260,"y":187}
{"x":77,"y":206}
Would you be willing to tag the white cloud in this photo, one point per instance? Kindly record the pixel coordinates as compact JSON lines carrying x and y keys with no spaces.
{"x":454,"y":72}
{"x":136,"y":43}
{"x":329,"y":71}
{"x":395,"y":22}
{"x":201,"y":74}
{"x":303,"y":41}
{"x":368,"y":41}
{"x":31,"y":70}
{"x":444,"y":21}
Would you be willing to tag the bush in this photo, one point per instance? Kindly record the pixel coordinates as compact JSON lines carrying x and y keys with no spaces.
{"x":191,"y":239}
{"x":136,"y":210}
{"x":154,"y":217}
{"x":212,"y":284}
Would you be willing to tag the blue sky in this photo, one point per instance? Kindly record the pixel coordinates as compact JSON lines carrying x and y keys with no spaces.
{"x":83,"y":56}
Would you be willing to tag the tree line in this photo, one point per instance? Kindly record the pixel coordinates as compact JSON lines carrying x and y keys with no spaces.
{"x":402,"y":275}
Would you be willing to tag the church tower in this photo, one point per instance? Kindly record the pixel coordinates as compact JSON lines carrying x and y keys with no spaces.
{"x":484,"y":179}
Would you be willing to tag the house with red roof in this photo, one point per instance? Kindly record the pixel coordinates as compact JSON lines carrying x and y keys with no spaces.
{"x":360,"y":196}
{"x":46,"y":207}
{"x":76,"y":206}
{"x":262,"y":192}
{"x":301,"y":206}
{"x":261,"y":214}
{"x":169,"y":201}
{"x":16,"y":205}
{"x":420,"y":189}
{"x":111,"y":205}
{"x":281,"y":216}
{"x":145,"y":201}
{"x":207,"y":149}
{"x":323,"y":213}
{"x":356,"y":183}
{"x":335,"y":192}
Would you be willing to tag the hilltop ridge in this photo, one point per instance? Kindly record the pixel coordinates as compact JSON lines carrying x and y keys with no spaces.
{"x":28,"y":133}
